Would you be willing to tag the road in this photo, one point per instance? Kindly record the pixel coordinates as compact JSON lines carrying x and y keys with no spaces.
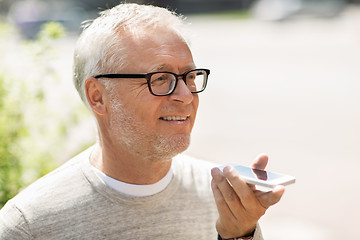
{"x":291,"y":90}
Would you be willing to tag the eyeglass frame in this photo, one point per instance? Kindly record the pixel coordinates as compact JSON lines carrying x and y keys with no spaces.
{"x":147,"y":76}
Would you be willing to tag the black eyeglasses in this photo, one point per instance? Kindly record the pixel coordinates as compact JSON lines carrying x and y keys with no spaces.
{"x":164,"y":83}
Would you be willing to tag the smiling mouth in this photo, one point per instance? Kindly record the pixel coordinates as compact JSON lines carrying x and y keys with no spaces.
{"x":175,"y":118}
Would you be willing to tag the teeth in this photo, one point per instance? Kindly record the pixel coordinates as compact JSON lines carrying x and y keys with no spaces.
{"x":175,"y":118}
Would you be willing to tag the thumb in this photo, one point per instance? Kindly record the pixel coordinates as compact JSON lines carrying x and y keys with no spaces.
{"x":260,"y":161}
{"x":268,"y":199}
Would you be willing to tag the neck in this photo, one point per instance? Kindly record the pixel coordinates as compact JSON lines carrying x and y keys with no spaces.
{"x":125,"y":167}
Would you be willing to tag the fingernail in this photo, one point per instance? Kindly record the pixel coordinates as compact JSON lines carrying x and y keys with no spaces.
{"x":215,"y":171}
{"x":216,"y":174}
{"x":227,"y":169}
{"x":279,"y":188}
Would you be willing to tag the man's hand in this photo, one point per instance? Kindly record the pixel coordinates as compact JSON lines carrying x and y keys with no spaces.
{"x":239,"y":204}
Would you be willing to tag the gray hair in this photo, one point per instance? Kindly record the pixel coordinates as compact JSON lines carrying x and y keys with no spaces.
{"x":99,"y":48}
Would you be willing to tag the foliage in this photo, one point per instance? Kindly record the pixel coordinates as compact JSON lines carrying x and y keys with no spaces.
{"x":32,"y":132}
{"x":51,"y":30}
{"x":12,"y":130}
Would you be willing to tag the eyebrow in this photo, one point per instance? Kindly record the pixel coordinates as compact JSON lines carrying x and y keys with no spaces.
{"x":165,"y":67}
{"x":160,"y":67}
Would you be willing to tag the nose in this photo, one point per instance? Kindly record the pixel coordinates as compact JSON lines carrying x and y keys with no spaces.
{"x":182,"y":93}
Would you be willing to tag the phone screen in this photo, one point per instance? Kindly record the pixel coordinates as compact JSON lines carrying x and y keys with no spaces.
{"x":256,"y":173}
{"x":261,"y":177}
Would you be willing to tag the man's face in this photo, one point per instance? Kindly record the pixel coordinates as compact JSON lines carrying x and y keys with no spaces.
{"x":150,"y":126}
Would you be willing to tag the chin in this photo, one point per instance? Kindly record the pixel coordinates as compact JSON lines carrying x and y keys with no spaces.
{"x":174,"y":145}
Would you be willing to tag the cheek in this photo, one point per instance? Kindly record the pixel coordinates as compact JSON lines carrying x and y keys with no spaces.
{"x":196,"y":102}
{"x":195,"y":105}
{"x":147,"y":110}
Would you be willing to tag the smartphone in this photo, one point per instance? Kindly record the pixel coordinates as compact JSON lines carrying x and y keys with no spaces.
{"x":261,"y":177}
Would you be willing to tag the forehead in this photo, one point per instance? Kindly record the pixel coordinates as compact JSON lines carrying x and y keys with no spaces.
{"x":157,"y":50}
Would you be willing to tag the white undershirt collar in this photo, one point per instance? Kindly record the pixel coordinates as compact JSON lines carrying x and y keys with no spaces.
{"x":134,"y":189}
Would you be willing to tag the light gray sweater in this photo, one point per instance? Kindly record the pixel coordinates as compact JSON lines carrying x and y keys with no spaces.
{"x":73,"y":203}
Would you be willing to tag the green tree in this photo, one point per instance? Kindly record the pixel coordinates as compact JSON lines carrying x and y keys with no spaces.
{"x":12,"y":130}
{"x":32,"y":133}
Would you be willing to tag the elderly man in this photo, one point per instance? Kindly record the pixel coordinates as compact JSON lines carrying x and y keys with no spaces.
{"x":135,"y":72}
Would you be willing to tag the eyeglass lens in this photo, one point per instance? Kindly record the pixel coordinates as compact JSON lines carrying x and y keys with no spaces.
{"x":164,"y":83}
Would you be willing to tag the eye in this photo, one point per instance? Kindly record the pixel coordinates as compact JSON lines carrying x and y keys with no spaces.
{"x":160,"y":78}
{"x":191,"y":76}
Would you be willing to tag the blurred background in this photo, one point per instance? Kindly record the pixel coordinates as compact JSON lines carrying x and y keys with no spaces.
{"x":284,"y":81}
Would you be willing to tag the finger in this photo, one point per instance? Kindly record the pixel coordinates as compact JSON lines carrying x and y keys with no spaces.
{"x":227,"y":191}
{"x":260,"y":161}
{"x":252,"y":187}
{"x":242,"y":189}
{"x":268,"y":199}
{"x":221,"y":205}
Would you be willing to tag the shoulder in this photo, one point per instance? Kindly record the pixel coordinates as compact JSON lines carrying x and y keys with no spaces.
{"x":11,"y":216}
{"x":54,"y":186}
{"x":44,"y":198}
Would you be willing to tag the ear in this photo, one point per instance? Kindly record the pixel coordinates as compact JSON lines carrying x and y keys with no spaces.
{"x":94,"y":91}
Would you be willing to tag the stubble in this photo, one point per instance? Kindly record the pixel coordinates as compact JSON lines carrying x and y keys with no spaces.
{"x":141,"y":141}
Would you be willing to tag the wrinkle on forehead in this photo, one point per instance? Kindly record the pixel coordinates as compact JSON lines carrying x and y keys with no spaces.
{"x":155,"y":38}
{"x":167,"y":67}
{"x":157,"y":43}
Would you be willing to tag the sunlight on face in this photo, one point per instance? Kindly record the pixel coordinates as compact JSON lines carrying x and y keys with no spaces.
{"x":139,"y":139}
{"x":145,"y":125}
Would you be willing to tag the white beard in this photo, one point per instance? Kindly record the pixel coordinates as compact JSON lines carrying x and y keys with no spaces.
{"x":140,"y":141}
